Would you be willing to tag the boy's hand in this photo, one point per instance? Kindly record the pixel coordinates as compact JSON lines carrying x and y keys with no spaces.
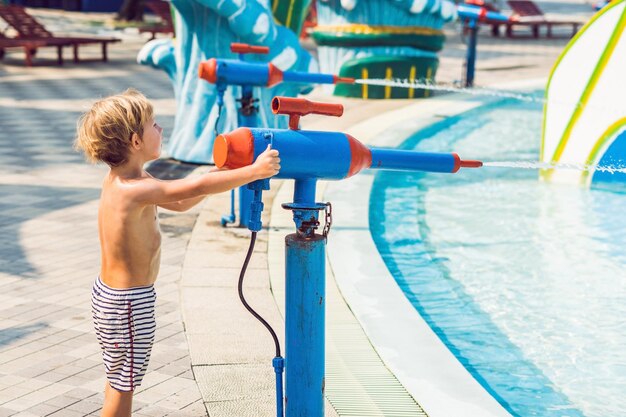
{"x":267,"y":164}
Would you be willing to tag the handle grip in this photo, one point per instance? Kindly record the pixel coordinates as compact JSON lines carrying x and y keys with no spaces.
{"x":296,"y":107}
{"x":256,"y":206}
{"x":244,"y":48}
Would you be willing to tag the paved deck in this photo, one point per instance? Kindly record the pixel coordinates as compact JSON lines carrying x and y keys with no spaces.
{"x":211,"y":357}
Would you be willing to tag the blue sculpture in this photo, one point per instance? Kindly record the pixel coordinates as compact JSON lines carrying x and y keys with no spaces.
{"x":381,"y":39}
{"x":205,"y":29}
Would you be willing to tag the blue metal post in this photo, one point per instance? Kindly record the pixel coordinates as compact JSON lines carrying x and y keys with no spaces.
{"x":471,"y":14}
{"x":470,"y":61}
{"x":305,"y":299}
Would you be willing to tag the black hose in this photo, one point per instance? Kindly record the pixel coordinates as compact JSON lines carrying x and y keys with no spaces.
{"x":245,"y":303}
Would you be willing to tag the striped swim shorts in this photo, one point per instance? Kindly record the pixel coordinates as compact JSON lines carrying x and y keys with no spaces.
{"x":125,"y":326}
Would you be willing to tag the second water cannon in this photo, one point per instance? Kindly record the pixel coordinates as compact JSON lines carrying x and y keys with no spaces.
{"x":258,"y":74}
{"x":315,"y":155}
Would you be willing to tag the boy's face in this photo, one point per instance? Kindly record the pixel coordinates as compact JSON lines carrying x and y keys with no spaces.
{"x":152,"y":139}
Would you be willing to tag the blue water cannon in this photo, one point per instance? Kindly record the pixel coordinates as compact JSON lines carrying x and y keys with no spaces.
{"x":247,"y":75}
{"x":308,"y":156}
{"x":257,"y":74}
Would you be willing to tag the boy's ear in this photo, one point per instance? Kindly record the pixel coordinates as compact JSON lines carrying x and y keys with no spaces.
{"x":136,"y":141}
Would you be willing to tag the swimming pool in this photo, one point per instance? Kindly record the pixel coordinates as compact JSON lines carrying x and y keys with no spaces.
{"x":524,"y":281}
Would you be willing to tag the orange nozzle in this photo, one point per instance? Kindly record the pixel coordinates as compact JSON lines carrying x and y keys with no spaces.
{"x":234,"y":149}
{"x":244,"y":48}
{"x":468,"y":163}
{"x":296,"y":107}
{"x":345,"y":80}
{"x":482,"y":16}
{"x":275,"y":75}
{"x":471,"y":163}
{"x":207,"y":70}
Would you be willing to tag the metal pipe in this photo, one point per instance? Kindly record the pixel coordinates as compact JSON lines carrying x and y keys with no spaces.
{"x":305,"y":299}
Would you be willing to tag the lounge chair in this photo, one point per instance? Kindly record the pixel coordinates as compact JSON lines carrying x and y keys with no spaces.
{"x":29,"y":29}
{"x":527,"y":13}
{"x":30,"y":47}
{"x":161,"y":9}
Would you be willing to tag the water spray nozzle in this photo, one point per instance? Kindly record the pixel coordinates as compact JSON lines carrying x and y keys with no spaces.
{"x":471,"y":163}
{"x":345,"y":80}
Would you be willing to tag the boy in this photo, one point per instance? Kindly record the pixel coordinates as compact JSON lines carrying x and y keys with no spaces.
{"x":120,"y":130}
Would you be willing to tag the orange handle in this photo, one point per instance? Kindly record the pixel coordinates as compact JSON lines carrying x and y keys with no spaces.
{"x":244,"y":48}
{"x":302,"y":107}
{"x":296,"y":107}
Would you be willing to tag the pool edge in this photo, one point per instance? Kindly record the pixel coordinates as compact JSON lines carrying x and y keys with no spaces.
{"x":433,"y":376}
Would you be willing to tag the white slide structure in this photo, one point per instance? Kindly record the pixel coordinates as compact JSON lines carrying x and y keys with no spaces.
{"x":585,"y":111}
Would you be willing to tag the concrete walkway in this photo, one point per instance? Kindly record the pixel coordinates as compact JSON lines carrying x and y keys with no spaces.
{"x":211,"y":357}
{"x":49,"y":255}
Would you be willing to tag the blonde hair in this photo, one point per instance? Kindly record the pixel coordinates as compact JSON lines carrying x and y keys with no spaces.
{"x":105,"y":132}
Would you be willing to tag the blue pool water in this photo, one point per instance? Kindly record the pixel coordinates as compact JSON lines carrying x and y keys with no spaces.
{"x":524,"y":281}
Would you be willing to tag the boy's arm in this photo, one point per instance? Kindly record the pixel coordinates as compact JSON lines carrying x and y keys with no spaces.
{"x":184,"y":205}
{"x":162,"y":193}
{"x":153,"y":191}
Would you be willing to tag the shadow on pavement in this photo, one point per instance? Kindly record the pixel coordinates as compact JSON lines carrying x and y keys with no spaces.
{"x":12,"y":334}
{"x":22,"y":203}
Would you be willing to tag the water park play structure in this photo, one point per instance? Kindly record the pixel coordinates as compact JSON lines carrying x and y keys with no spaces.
{"x":584,"y":121}
{"x":384,"y":39}
{"x":381,"y":39}
{"x":392,"y":40}
{"x":306,"y":157}
{"x":309,"y":156}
